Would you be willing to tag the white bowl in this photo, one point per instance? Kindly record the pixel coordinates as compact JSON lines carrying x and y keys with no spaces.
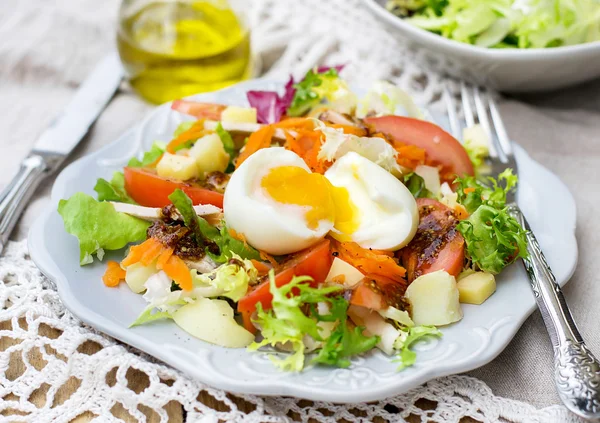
{"x":514,"y":70}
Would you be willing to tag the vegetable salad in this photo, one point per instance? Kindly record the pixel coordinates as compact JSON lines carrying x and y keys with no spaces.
{"x":505,"y":23}
{"x":313,"y":224}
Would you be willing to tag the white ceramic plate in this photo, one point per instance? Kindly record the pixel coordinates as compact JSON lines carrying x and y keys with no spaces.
{"x":515,"y":70}
{"x":473,"y":342}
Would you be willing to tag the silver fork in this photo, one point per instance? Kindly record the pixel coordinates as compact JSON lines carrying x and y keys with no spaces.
{"x":576,"y":370}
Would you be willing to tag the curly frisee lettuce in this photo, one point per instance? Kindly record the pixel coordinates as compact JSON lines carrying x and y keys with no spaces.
{"x":494,"y":238}
{"x":287,"y":326}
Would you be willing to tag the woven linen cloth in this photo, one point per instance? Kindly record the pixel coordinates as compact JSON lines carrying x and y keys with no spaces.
{"x":54,"y":368}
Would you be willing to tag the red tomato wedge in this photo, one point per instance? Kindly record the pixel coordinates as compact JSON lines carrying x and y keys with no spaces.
{"x":437,"y":244}
{"x":377,"y":292}
{"x":150,"y":190}
{"x":441,"y":148}
{"x":200,"y":110}
{"x":314,"y":262}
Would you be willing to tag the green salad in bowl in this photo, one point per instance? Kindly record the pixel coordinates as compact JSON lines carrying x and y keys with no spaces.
{"x":505,"y":23}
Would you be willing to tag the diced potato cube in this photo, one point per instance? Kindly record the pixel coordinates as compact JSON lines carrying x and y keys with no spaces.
{"x":464,"y":274}
{"x":212,"y":321}
{"x":137,"y":274}
{"x":476,"y":287}
{"x":209,"y":154}
{"x":177,"y":167}
{"x":237,"y":114}
{"x":434,"y":299}
{"x":344,"y":273}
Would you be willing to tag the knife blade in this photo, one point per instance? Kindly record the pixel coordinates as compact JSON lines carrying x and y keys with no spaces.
{"x":58,"y":140}
{"x":67,"y":129}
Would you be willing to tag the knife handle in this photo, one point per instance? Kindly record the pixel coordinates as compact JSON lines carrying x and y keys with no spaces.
{"x":15,"y":196}
{"x":576,"y":370}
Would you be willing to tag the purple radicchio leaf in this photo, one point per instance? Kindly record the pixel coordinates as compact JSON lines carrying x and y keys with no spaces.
{"x":323,"y":69}
{"x":269,"y":105}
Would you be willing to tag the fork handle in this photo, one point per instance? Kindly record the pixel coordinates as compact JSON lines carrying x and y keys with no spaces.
{"x":15,"y":196}
{"x":576,"y":370}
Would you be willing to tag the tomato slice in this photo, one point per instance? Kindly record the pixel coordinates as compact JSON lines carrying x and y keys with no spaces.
{"x":200,"y":110}
{"x":437,"y":244}
{"x":314,"y":262}
{"x":150,"y":190}
{"x":441,"y":148}
{"x":377,"y":292}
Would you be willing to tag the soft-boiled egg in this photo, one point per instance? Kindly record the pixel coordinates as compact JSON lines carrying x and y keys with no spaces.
{"x":280,"y":207}
{"x":275,"y":201}
{"x":386,"y":216}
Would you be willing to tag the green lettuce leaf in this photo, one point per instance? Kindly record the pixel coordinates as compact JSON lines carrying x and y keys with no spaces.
{"x":309,"y":91}
{"x":416,"y":186}
{"x":201,"y":228}
{"x":494,"y":238}
{"x":150,"y":315}
{"x":225,"y":139}
{"x":406,"y":356}
{"x":286,"y":323}
{"x":228,"y":280}
{"x":183,"y":126}
{"x":157,"y":150}
{"x":113,"y":190}
{"x":228,"y":245}
{"x":343,"y":342}
{"x":98,"y":226}
{"x":493,"y":194}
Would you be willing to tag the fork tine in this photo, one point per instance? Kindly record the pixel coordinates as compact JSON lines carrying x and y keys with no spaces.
{"x":452,"y":116}
{"x":482,"y":115}
{"x":466,"y":102}
{"x":503,"y":139}
{"x":467,"y":98}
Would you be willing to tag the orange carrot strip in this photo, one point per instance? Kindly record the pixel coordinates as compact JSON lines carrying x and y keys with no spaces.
{"x":152,"y":253}
{"x":267,"y":257}
{"x":261,"y":267}
{"x":257,"y":140}
{"x":114,"y":274}
{"x":469,"y":190}
{"x":349,"y":129}
{"x":295,"y":123}
{"x":164,"y":257}
{"x":137,"y":251}
{"x":176,"y":269}
{"x":370,"y":261}
{"x":196,"y":131}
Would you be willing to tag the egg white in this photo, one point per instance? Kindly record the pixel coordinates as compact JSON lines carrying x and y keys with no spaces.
{"x":266,"y":224}
{"x":388,"y":212}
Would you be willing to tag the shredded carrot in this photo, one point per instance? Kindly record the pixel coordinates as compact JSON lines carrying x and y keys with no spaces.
{"x":164,"y":257}
{"x":296,"y":123}
{"x":257,"y":140}
{"x":349,"y":129}
{"x":238,"y":236}
{"x":469,"y":190}
{"x":114,"y":274}
{"x":307,"y":145}
{"x":261,"y":267}
{"x":409,"y":156}
{"x":196,"y":131}
{"x":368,"y":261}
{"x":176,"y":269}
{"x":267,"y":257}
{"x":137,"y":252}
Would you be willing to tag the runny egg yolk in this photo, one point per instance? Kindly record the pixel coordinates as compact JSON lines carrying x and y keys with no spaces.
{"x":296,"y":186}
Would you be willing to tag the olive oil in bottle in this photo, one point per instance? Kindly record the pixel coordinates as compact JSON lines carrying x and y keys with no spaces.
{"x":171,"y":49}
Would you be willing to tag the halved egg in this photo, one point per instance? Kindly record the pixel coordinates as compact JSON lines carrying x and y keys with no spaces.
{"x":275,"y":201}
{"x":385,"y":214}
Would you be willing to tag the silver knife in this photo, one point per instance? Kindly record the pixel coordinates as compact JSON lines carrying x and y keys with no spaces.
{"x":58,"y":140}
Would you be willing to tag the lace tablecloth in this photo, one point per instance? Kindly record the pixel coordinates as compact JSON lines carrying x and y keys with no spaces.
{"x":54,"y":368}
